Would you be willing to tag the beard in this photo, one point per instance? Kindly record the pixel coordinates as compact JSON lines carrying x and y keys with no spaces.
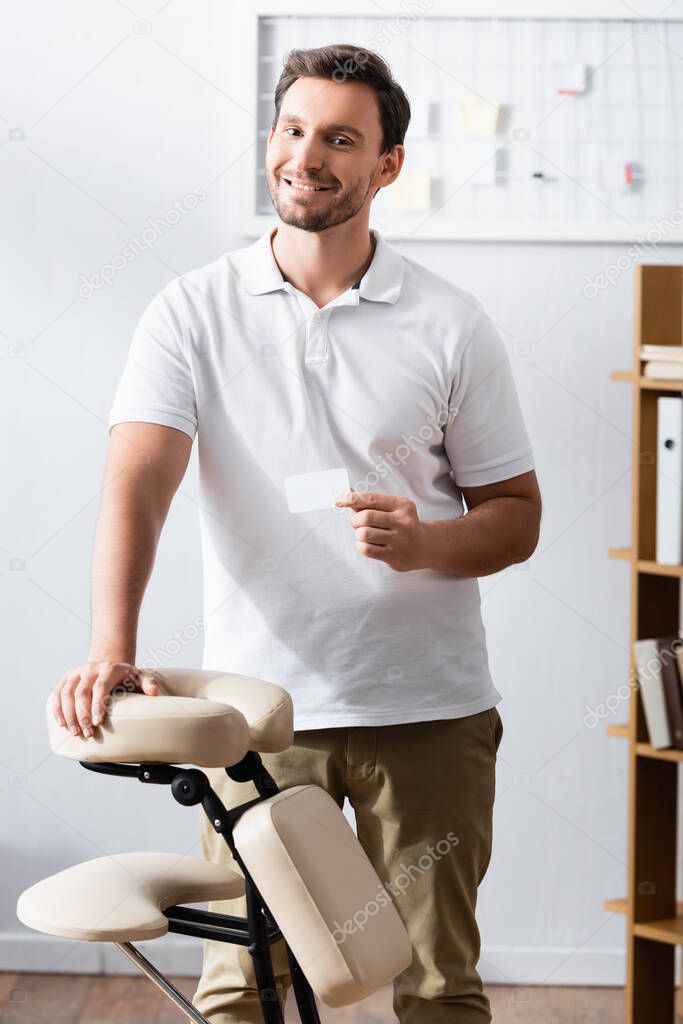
{"x":316,"y":215}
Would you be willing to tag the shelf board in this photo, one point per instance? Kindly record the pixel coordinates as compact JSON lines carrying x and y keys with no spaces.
{"x":622,"y":553}
{"x":646,"y":565}
{"x":626,"y":375}
{"x":652,"y":384}
{"x":657,"y":569}
{"x":668,"y":929}
{"x":665,"y":754}
{"x":620,"y":906}
{"x":618,"y":729}
{"x":648,"y":383}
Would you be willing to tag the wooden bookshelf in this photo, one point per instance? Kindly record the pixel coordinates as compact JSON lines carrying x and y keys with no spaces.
{"x":654,"y":918}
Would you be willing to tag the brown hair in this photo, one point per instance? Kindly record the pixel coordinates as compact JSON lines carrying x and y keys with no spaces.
{"x":341,"y":62}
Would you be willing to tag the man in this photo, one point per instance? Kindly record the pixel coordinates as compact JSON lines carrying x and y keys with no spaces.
{"x":319,"y":347}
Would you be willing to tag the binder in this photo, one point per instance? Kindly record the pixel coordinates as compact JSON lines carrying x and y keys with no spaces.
{"x":669,"y":654}
{"x":670,"y":480}
{"x":648,"y":667}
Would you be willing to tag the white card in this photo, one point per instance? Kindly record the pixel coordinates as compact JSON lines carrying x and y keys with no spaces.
{"x":308,"y":491}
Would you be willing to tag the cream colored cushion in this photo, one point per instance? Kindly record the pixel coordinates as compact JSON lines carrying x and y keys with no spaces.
{"x":199,"y":717}
{"x":324,"y":894}
{"x":121,"y":897}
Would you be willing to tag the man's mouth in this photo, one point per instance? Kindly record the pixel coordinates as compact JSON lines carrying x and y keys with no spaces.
{"x":304,"y":187}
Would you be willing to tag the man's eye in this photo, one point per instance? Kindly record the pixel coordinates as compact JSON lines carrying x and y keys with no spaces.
{"x":340,"y":137}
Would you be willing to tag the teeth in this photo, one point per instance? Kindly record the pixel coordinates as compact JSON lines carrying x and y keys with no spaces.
{"x":305,"y":188}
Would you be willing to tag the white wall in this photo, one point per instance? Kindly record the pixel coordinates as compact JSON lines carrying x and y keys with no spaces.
{"x":118,"y":125}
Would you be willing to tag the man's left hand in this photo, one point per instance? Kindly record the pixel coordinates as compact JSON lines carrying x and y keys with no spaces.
{"x":388,"y":528}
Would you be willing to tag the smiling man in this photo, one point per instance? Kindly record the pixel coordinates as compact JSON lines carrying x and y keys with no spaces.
{"x":316,"y":348}
{"x":373,"y":621}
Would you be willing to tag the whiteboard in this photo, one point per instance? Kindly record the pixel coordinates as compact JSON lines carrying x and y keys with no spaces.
{"x":604,"y":163}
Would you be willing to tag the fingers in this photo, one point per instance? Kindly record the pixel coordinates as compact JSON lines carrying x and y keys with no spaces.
{"x":372,"y":550}
{"x":370,"y":499}
{"x":66,"y":698}
{"x":374,"y":517}
{"x":113,"y":680}
{"x":108,"y":678}
{"x":371,"y":535}
{"x":83,"y":703}
{"x":149,"y":685}
{"x":83,"y":697}
{"x":56,"y":706}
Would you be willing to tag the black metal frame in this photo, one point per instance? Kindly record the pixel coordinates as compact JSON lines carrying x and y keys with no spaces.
{"x":258,"y":930}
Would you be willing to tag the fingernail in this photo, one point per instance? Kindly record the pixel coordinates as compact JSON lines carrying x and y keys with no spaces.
{"x":74,"y":730}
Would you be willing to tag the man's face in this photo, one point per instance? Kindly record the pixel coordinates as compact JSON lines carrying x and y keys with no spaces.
{"x":328,"y":134}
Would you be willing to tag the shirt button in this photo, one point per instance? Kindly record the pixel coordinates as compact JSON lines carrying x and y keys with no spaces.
{"x":317,"y":318}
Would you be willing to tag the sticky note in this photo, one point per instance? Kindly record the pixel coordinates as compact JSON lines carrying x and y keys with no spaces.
{"x":569,"y":77}
{"x":412,"y":191}
{"x":478,"y":116}
{"x":306,"y":492}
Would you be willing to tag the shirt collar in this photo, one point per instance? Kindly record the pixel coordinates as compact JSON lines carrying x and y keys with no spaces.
{"x":381,"y":282}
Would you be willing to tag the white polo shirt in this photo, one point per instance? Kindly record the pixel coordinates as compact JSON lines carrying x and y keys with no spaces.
{"x":404,"y":381}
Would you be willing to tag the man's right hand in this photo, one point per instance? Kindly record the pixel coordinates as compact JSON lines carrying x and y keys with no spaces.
{"x":82,"y":697}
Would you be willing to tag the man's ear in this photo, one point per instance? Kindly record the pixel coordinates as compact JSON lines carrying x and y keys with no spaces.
{"x":400,"y":161}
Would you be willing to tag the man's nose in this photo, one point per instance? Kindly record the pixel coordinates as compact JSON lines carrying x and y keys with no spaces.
{"x":309,"y":155}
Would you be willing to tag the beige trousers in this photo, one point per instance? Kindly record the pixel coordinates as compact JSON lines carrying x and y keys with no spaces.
{"x":422,"y":793}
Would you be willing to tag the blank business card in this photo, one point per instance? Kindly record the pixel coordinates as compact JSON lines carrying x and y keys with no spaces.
{"x":306,"y":492}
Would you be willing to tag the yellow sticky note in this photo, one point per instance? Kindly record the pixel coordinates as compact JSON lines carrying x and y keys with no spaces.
{"x":478,"y":116}
{"x":411,"y":191}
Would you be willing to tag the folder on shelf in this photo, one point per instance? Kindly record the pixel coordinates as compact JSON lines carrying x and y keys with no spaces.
{"x":669,"y":654}
{"x":651,"y":686}
{"x":669,"y":519}
{"x":664,"y":369}
{"x":669,"y":353}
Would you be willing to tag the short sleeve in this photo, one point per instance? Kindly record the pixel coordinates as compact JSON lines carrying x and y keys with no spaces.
{"x":485,"y":436}
{"x":156,"y":385}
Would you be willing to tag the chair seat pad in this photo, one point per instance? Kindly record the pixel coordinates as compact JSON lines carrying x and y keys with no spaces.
{"x":121,"y":897}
